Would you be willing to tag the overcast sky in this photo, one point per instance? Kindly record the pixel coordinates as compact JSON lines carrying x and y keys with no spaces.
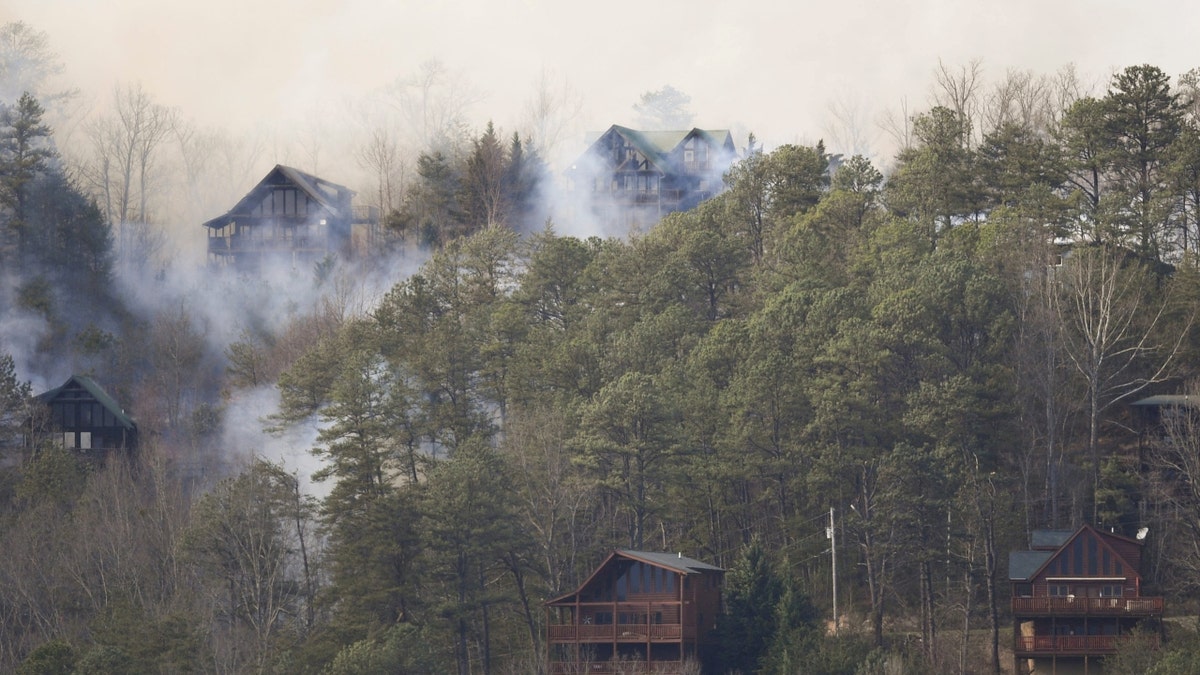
{"x":767,"y":66}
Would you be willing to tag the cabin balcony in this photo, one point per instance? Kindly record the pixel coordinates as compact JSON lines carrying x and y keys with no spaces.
{"x":623,"y":668}
{"x":1073,"y":645}
{"x":639,"y":622}
{"x":236,"y":244}
{"x":1081,"y":606}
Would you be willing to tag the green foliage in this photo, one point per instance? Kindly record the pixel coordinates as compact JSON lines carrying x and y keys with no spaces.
{"x":747,"y":628}
{"x":54,"y":476}
{"x":403,"y":649}
{"x":56,"y":657}
{"x":105,"y":660}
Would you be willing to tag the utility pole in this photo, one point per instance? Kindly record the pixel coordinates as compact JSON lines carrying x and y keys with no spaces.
{"x":833,"y":549}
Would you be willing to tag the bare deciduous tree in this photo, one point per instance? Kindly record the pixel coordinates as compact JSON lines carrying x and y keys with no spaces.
{"x":1115,"y":333}
{"x":126,"y":149}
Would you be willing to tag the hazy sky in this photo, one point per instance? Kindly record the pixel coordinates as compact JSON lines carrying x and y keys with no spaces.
{"x":768,"y":66}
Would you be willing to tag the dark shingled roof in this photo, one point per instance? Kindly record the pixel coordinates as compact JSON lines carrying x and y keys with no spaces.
{"x":675,"y":561}
{"x":1050,"y":538}
{"x":1022,"y":564}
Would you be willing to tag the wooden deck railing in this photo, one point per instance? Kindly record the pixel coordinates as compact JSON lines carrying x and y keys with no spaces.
{"x":620,"y":668}
{"x":1066,"y":644}
{"x":1073,"y":644}
{"x":1078,"y":606}
{"x":637,"y":632}
{"x":652,"y":620}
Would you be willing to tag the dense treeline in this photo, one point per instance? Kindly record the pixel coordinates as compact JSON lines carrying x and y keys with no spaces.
{"x":941,"y":356}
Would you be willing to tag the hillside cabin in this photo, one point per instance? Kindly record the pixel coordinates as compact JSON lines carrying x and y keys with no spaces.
{"x":83,"y":417}
{"x":294,"y":218}
{"x":631,"y":179}
{"x":1077,"y":596}
{"x":639,"y":612}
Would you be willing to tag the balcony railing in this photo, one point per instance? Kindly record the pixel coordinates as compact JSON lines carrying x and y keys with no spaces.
{"x":619,"y":632}
{"x":626,"y":622}
{"x":622,"y":668}
{"x":1073,"y":644}
{"x":1079,"y":606}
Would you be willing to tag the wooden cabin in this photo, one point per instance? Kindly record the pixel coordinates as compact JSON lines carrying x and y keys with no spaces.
{"x":633,"y":178}
{"x":83,"y":417}
{"x":293,"y":218}
{"x":1077,"y":596}
{"x":639,"y":611}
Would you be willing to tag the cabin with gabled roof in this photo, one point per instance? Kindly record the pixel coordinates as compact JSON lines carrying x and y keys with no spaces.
{"x":632,"y":178}
{"x":291,"y":217}
{"x":1077,"y":596}
{"x":639,"y":611}
{"x":84,"y":417}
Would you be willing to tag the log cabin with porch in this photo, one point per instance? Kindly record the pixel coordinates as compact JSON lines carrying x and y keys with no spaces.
{"x":639,"y":611}
{"x":632,"y":178}
{"x":294,"y":218}
{"x":1077,"y":596}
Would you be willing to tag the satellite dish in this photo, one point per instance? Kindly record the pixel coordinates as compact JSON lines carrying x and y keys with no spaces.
{"x":1142,"y":533}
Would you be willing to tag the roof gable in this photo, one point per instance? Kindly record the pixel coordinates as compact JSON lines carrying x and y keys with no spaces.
{"x":330,"y":196}
{"x":76,"y":383}
{"x":675,"y":562}
{"x":1088,"y":553}
{"x":656,"y":148}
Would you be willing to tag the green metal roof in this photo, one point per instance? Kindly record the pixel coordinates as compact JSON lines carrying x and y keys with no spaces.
{"x":97,"y":392}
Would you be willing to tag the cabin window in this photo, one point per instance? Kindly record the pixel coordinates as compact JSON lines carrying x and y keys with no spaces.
{"x":1092,"y":555}
{"x":604,"y":618}
{"x":68,"y":439}
{"x":629,"y":183}
{"x":85,"y":440}
{"x":1023,"y":590}
{"x":671,"y":583}
{"x":1077,"y":556}
{"x":621,"y":590}
{"x":1110,"y":591}
{"x":689,"y":156}
{"x":1059,"y":590}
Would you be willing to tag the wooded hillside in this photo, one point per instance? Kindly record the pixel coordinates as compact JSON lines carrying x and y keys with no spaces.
{"x":945,"y":356}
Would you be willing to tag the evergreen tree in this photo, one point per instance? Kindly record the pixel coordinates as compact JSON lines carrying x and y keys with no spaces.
{"x":25,"y":150}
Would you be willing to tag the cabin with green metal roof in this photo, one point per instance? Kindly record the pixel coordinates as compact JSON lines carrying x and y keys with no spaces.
{"x":84,"y":417}
{"x":630,"y":179}
{"x":658,"y":610}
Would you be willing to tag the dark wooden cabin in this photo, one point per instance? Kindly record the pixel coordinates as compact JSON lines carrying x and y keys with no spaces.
{"x":290,"y":217}
{"x":634,"y":178}
{"x":1077,"y":595}
{"x":83,"y":417}
{"x":638,"y":612}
